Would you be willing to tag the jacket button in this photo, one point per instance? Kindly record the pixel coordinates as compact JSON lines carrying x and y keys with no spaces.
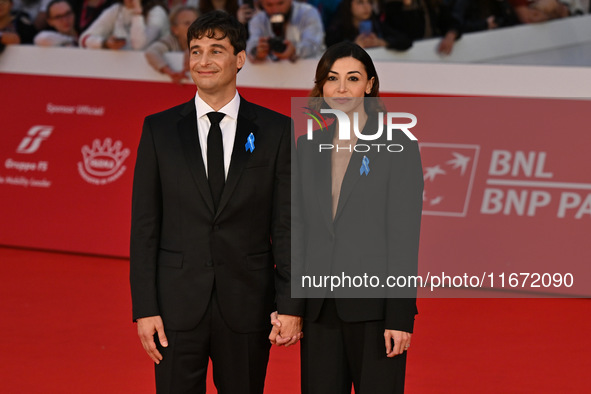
{"x":209,"y":263}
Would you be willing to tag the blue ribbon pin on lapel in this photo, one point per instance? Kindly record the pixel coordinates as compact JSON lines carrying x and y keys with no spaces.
{"x":250,"y":143}
{"x":364,"y":166}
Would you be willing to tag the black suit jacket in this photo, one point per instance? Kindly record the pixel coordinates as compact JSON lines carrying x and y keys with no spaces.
{"x":180,"y":246}
{"x":375,"y":230}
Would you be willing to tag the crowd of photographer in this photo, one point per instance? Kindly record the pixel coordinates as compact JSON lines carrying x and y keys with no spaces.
{"x":278,"y":29}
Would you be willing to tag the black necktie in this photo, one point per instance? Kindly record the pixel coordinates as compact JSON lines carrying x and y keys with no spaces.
{"x":215,"y":157}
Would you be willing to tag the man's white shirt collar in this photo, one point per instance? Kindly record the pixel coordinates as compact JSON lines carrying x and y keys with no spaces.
{"x":230,"y":109}
{"x":227,"y":125}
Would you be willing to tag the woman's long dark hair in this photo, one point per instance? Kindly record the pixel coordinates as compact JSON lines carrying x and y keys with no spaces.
{"x":332,"y":54}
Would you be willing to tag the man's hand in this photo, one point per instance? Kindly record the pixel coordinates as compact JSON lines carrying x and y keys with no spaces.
{"x":287,"y":329}
{"x":146,"y":328}
{"x":401,"y":342}
{"x":275,"y":330}
{"x":288,"y":53}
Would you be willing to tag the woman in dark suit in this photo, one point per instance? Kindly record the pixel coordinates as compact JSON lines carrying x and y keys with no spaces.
{"x":357,"y":214}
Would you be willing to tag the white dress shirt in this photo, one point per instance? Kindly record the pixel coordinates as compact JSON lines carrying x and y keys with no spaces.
{"x":227,"y":125}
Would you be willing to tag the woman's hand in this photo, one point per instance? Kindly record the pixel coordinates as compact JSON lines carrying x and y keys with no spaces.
{"x":401,"y":342}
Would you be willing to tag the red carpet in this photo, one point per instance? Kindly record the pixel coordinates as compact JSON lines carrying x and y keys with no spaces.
{"x":66,"y":328}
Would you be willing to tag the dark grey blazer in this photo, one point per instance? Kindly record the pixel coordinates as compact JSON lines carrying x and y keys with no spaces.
{"x":375,"y":229}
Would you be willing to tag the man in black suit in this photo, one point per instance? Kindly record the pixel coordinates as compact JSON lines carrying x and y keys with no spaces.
{"x":210,"y":237}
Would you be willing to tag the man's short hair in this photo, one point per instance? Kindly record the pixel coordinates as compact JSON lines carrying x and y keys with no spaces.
{"x":219,"y":25}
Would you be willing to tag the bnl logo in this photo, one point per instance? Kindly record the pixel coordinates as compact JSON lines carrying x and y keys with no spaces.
{"x":35,"y":136}
{"x":448,"y":171}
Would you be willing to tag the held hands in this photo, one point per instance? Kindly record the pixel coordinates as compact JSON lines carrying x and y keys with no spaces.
{"x":286,"y":331}
{"x":146,"y":328}
{"x":401,"y":342}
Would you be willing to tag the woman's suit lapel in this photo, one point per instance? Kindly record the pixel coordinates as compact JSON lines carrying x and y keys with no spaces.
{"x":322,"y":175}
{"x":353,"y":173}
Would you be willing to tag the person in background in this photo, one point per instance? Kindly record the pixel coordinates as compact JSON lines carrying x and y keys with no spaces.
{"x":35,"y":11}
{"x":356,"y":21}
{"x":61,"y":18}
{"x":87,"y":11}
{"x":173,"y":3}
{"x":417,"y":19}
{"x":327,"y":8}
{"x":466,"y":16}
{"x":243,"y":13}
{"x":577,"y":7}
{"x":286,"y":30}
{"x":181,"y":18}
{"x":130,"y":24}
{"x":534,"y":11}
{"x":15,"y":28}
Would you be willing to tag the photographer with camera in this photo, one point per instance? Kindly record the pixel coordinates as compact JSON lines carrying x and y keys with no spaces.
{"x":285,"y":30}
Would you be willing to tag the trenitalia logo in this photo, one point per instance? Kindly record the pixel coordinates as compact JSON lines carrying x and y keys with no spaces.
{"x":32,"y":142}
{"x":344,"y":127}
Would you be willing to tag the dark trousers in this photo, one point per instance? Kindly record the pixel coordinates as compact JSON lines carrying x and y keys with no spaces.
{"x":337,"y":354}
{"x":239,"y":360}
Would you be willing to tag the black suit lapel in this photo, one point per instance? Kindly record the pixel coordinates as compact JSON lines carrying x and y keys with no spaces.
{"x":322,"y":174}
{"x":189,"y":136}
{"x":244,"y":126}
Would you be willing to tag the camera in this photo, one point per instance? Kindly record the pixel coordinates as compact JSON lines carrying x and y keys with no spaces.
{"x":276,"y":44}
{"x":277,"y":25}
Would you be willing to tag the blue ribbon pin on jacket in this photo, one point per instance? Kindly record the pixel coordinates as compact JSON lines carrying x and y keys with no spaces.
{"x":364,"y":166}
{"x":250,"y":143}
